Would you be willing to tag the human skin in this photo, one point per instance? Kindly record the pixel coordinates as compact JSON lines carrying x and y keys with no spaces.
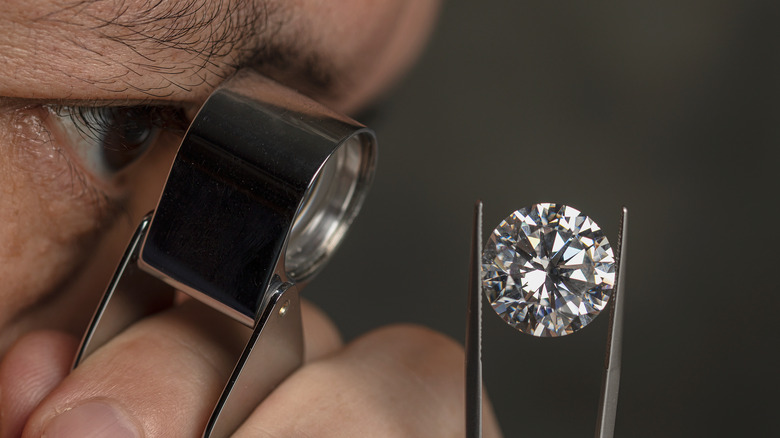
{"x":63,"y":224}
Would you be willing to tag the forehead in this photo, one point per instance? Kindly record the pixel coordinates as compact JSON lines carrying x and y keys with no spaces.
{"x":158,"y":48}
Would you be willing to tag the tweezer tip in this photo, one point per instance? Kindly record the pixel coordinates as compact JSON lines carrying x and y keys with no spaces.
{"x":611,"y":381}
{"x":474,"y":331}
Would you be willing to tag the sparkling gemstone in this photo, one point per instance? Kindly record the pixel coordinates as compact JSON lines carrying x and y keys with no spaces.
{"x":548,"y":270}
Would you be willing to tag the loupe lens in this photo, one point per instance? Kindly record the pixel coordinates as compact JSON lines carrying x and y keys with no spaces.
{"x":329,"y":207}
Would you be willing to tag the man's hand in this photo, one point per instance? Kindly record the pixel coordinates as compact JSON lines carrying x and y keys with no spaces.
{"x":162,"y":376}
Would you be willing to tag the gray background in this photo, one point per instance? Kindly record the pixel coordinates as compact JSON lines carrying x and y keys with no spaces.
{"x":670,"y":108}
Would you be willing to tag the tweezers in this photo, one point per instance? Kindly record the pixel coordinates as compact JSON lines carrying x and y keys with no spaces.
{"x":605,"y":425}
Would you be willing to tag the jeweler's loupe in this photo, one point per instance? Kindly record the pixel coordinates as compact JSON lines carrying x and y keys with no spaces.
{"x":260,"y":194}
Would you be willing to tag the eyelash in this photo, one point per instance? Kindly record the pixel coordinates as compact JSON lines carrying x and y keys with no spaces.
{"x":108,"y":138}
{"x":96,"y":121}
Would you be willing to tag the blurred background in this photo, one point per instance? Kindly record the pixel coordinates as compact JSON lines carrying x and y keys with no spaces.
{"x":670,"y":108}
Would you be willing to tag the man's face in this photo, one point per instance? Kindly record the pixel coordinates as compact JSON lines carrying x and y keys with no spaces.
{"x":94,"y":96}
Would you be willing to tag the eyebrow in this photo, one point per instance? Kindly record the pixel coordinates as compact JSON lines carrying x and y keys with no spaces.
{"x":213,"y":38}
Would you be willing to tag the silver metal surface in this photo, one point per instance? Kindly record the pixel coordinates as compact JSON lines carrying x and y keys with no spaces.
{"x":260,"y":194}
{"x":131,"y":295}
{"x":274,"y":351}
{"x":265,"y":184}
{"x":605,"y":427}
{"x":474,"y":331}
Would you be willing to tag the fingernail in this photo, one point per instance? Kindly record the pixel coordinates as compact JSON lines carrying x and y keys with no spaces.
{"x":91,"y":420}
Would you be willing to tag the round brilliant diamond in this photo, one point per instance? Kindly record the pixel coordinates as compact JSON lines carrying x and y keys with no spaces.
{"x":548,"y":270}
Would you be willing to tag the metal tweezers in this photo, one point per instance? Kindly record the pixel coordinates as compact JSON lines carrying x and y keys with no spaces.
{"x":605,"y":426}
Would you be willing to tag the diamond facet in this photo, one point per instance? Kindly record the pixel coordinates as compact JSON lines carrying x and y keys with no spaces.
{"x":548,"y":270}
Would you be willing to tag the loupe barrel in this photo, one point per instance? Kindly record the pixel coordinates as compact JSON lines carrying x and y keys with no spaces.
{"x":262,"y":190}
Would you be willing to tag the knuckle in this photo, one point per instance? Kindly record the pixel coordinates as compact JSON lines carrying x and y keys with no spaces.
{"x":415,"y":351}
{"x":417,"y":339}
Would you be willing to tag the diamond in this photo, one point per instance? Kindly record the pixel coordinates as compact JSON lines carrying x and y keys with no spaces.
{"x":548,"y":270}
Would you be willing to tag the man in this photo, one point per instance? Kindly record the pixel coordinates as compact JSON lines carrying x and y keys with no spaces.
{"x":93,"y":99}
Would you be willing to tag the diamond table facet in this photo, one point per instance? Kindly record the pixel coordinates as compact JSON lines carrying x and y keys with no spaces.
{"x":548,"y":270}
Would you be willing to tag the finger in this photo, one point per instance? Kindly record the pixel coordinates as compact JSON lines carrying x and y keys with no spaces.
{"x":29,"y":371}
{"x":403,"y":381}
{"x":161,"y":377}
{"x":320,"y":335}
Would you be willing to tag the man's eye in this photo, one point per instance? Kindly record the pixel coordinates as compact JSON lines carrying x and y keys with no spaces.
{"x":108,"y":138}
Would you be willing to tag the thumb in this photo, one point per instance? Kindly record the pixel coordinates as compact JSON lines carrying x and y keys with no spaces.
{"x":31,"y":369}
